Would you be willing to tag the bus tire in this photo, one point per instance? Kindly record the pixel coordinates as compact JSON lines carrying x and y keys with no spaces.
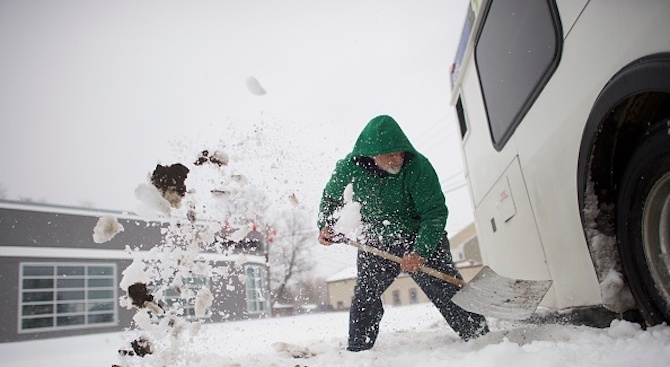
{"x":643,"y":224}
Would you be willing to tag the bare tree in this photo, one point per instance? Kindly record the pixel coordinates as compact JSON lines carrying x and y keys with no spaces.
{"x":27,"y":199}
{"x":289,"y":254}
{"x":310,"y":290}
{"x":3,"y":192}
{"x":86,"y":204}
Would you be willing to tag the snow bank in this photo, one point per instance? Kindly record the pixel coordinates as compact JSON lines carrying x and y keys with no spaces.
{"x":616,"y":295}
{"x":410,"y":336}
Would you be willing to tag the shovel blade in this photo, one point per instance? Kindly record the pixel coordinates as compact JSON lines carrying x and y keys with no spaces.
{"x":493,"y":295}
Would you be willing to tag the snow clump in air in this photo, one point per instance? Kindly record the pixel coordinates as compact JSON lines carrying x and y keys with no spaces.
{"x":203,"y":301}
{"x":219,"y":206}
{"x":152,"y":204}
{"x":348,"y":218}
{"x":254,"y":86}
{"x":107,"y":227}
{"x":218,"y":197}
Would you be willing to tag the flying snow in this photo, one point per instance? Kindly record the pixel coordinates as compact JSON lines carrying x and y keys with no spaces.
{"x":107,"y":227}
{"x":348,"y":218}
{"x":152,"y":203}
{"x":254,"y":86}
{"x":203,"y":301}
{"x":239,"y":234}
{"x":204,"y":205}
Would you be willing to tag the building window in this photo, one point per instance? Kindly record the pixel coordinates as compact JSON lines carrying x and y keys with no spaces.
{"x":396,"y":298}
{"x":66,"y":296}
{"x":257,"y":300}
{"x":413,"y":295}
{"x":184,"y":298}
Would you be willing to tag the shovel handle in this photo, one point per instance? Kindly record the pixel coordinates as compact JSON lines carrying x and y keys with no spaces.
{"x":426,"y":269}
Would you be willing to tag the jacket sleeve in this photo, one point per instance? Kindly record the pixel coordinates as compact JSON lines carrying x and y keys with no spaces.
{"x":332,"y":197}
{"x":430,"y":204}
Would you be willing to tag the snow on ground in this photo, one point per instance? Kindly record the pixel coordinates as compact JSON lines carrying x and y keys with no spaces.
{"x":410,"y":336}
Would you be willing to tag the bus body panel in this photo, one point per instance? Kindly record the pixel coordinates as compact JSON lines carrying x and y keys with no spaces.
{"x":479,"y":153}
{"x":544,"y":239}
{"x":588,"y":60}
{"x":505,"y":222}
{"x":569,"y":12}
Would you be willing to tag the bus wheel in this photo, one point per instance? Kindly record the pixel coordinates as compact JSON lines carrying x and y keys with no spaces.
{"x":643,"y":224}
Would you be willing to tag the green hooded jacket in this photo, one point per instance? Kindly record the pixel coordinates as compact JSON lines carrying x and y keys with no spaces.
{"x":406,"y":208}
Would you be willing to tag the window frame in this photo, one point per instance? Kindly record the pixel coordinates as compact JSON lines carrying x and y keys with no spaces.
{"x":260,"y":303}
{"x":172,"y":297}
{"x":76,"y":285}
{"x":413,"y":296}
{"x":396,"y":298}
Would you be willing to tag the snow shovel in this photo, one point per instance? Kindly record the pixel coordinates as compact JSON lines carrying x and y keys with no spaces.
{"x":488,"y":293}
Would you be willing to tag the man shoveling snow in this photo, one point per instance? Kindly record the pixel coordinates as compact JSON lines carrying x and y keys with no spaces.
{"x":403,"y":212}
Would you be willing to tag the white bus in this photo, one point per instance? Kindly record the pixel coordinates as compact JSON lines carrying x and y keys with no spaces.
{"x":564,"y":111}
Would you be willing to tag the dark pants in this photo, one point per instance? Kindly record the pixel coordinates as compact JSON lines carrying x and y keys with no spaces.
{"x":376,"y":274}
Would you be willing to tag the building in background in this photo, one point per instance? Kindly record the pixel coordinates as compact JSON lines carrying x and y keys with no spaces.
{"x":56,"y":281}
{"x":404,"y":291}
{"x":465,"y":252}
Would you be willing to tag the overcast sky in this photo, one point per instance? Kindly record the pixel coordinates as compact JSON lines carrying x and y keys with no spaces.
{"x":93,"y":94}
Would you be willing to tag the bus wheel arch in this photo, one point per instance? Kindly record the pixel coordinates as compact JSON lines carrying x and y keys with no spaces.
{"x":631,"y":107}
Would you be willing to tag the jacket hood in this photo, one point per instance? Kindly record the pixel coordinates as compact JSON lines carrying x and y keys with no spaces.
{"x":382,"y":135}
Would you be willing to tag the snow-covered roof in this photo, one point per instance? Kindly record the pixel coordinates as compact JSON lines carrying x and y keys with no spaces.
{"x":344,"y":274}
{"x":351,"y":273}
{"x":63,"y":209}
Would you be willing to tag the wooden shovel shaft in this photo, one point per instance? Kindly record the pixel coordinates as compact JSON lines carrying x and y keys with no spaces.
{"x":398,"y":259}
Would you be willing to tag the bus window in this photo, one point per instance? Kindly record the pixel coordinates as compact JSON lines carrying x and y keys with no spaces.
{"x":516,"y":51}
{"x":461,"y":118}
